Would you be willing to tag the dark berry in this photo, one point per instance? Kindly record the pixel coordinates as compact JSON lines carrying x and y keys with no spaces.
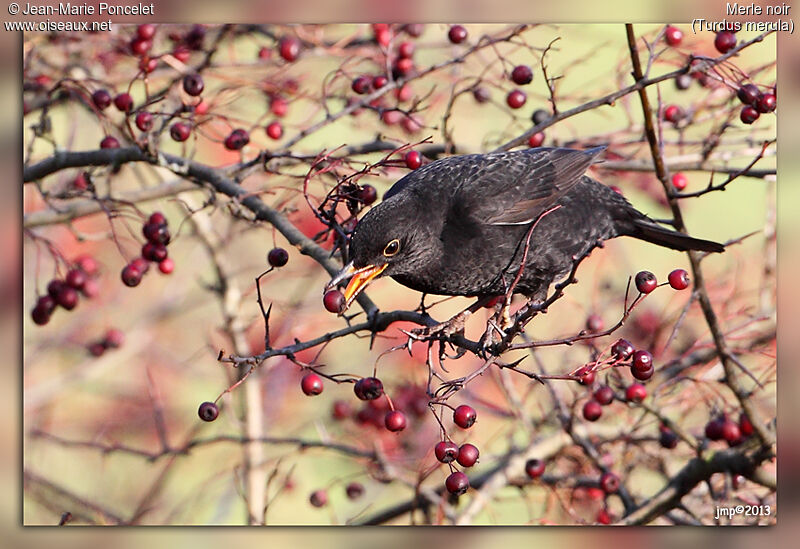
{"x":76,"y":278}
{"x":96,"y":349}
{"x":536,"y":139}
{"x":481,"y":94}
{"x":646,"y":282}
{"x":156,"y":233}
{"x":318,"y":498}
{"x":457,"y":34}
{"x":643,"y":375}
{"x":622,"y":349}
{"x":534,"y":468}
{"x":667,"y":438}
{"x":54,"y":287}
{"x":237,"y":140}
{"x":678,"y":279}
{"x":604,"y":395}
{"x":468,"y":454}
{"x":592,"y":410}
{"x":379,"y":81}
{"x":124,"y":102}
{"x":289,"y":48}
{"x":67,"y":297}
{"x":749,"y":114}
{"x":109,"y":142}
{"x":274,"y":130}
{"x":405,"y":50}
{"x":131,"y":276}
{"x":101,"y":99}
{"x":157,"y":218}
{"x":208,"y":411}
{"x":278,"y":257}
{"x":362,"y":85}
{"x":146,"y":31}
{"x":725,"y":41}
{"x":414,"y":29}
{"x":180,"y":131}
{"x":748,"y":94}
{"x":140,"y":47}
{"x":730,"y":431}
{"x":354,"y":490}
{"x":586,"y":378}
{"x":714,"y":429}
{"x":766,"y":103}
{"x":636,"y":392}
{"x":113,"y":338}
{"x":609,"y":482}
{"x":642,"y":360}
{"x":413,"y":160}
{"x":43,"y":309}
{"x":679,"y":181}
{"x":193,"y":84}
{"x":144,"y":121}
{"x":457,"y":483}
{"x":334,"y":301}
{"x":673,"y":36}
{"x":594,"y":323}
{"x":166,"y":266}
{"x":367,"y":194}
{"x":395,"y":421}
{"x":539,"y":116}
{"x":464,"y":416}
{"x":311,"y":384}
{"x":154,"y":252}
{"x":683,"y":81}
{"x":516,"y":98}
{"x":673,"y":113}
{"x":446,"y":451}
{"x":368,"y":388}
{"x":521,"y":75}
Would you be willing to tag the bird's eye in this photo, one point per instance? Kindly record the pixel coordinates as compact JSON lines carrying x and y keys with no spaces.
{"x":392,"y":248}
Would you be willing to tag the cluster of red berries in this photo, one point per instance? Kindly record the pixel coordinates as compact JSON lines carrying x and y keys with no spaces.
{"x":113,"y":339}
{"x":755,"y":102}
{"x":724,"y":428}
{"x":64,"y":293}
{"x":155,"y":249}
{"x":646,"y":281}
{"x":410,"y":401}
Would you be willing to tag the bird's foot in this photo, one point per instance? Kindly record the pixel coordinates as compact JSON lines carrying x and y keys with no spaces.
{"x":454,"y":326}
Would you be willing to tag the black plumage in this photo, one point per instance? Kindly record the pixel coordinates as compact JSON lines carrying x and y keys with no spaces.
{"x":458,"y":226}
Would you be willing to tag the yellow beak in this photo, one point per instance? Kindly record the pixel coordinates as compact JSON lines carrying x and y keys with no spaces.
{"x":360,"y":279}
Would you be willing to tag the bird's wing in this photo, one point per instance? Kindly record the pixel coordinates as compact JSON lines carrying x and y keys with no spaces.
{"x":516,"y":188}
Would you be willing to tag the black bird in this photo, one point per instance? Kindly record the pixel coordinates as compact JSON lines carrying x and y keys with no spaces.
{"x":459,"y":225}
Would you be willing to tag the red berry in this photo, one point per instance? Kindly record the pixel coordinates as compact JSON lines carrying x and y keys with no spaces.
{"x":587,"y":378}
{"x":383,"y":35}
{"x":193,"y":84}
{"x":101,"y":99}
{"x":76,"y":278}
{"x":146,"y":31}
{"x":413,"y":160}
{"x":362,"y":85}
{"x":468,"y":454}
{"x":667,"y":438}
{"x":334,"y":301}
{"x":725,"y":41}
{"x":642,"y":360}
{"x":534,"y":468}
{"x":274,"y":130}
{"x":87,"y":264}
{"x":673,"y":36}
{"x":521,"y":75}
{"x":367,"y":194}
{"x":114,"y":338}
{"x":730,"y":431}
{"x":604,"y":395}
{"x":745,"y":426}
{"x":278,"y":257}
{"x":208,"y":411}
{"x":766,"y":103}
{"x":643,"y":375}
{"x":592,"y":410}
{"x":481,"y":94}
{"x":67,"y":297}
{"x":445,"y":451}
{"x":464,"y":416}
{"x":402,"y":67}
{"x":536,"y":139}
{"x":341,"y":410}
{"x":683,"y":81}
{"x":749,"y":114}
{"x":140,"y":47}
{"x":516,"y":98}
{"x":379,"y":81}
{"x":157,"y":233}
{"x":603,"y":517}
{"x":131,"y":276}
{"x":180,"y":131}
{"x":679,"y":279}
{"x":278,"y":106}
{"x":43,"y":309}
{"x":594,"y":323}
{"x":181,"y":53}
{"x":646,"y":282}
{"x":354,"y":490}
{"x":368,"y":388}
{"x":679,"y":181}
{"x":395,"y":421}
{"x":237,"y":140}
{"x":54,"y":286}
{"x":201,"y":108}
{"x":457,"y":483}
{"x":124,"y":102}
{"x":673,"y":113}
{"x":457,"y":34}
{"x":636,"y":392}
{"x":166,"y":265}
{"x":714,"y":429}
{"x":414,"y":29}
{"x":289,"y":48}
{"x":311,"y":384}
{"x":622,"y":349}
{"x":91,"y":288}
{"x":748,"y":94}
{"x":403,"y":93}
{"x":609,"y":482}
{"x":96,"y":349}
{"x":318,"y":498}
{"x":144,"y":121}
{"x":109,"y":142}
{"x":405,"y":49}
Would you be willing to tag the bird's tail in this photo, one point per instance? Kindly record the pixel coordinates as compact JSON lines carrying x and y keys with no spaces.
{"x":645,"y":229}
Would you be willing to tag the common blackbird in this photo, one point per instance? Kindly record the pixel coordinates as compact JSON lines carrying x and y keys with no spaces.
{"x":459,"y":225}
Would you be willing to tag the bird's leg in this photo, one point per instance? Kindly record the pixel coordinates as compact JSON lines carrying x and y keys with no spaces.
{"x":453,"y":326}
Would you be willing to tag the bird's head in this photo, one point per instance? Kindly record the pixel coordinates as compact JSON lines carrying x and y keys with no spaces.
{"x":388,"y":241}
